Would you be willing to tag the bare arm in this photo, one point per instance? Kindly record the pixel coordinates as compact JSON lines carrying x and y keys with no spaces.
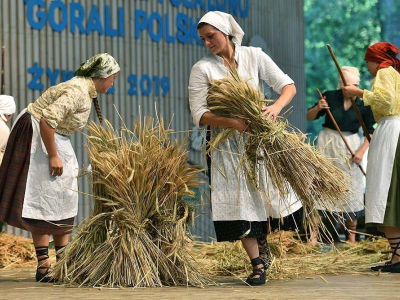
{"x":271,"y":111}
{"x":211,"y":119}
{"x":313,"y":112}
{"x":47,"y":133}
{"x":358,"y":156}
{"x":352,"y":91}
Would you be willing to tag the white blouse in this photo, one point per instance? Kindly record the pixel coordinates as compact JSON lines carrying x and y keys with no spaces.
{"x":233,"y":197}
{"x":253,"y":64}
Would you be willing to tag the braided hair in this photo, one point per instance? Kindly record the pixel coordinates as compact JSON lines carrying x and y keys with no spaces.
{"x":98,"y":110}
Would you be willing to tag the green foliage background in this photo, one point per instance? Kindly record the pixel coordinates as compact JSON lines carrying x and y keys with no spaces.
{"x":349,"y":27}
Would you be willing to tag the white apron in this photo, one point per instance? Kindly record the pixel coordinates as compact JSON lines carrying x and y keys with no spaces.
{"x":234,"y":198}
{"x":380,"y":166}
{"x":331,"y":144}
{"x":48,"y":197}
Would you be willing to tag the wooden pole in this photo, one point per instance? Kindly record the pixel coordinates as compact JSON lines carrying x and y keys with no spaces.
{"x":340,"y":132}
{"x":353,"y":102}
{"x":3,"y":50}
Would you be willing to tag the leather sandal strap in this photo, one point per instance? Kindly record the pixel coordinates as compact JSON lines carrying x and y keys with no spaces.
{"x":59,"y":250}
{"x":257,"y":261}
{"x":394,"y":246}
{"x":258,"y":271}
{"x":42,"y":252}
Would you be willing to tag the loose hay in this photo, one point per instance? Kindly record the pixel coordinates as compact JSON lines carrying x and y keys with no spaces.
{"x":293,"y":259}
{"x":16,"y":251}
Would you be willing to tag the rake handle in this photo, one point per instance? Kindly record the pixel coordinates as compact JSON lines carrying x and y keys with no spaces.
{"x":353,"y":102}
{"x":340,"y":132}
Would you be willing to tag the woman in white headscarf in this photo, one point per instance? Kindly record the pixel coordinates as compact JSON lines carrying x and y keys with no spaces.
{"x":331,"y":143}
{"x":239,"y":211}
{"x":38,"y":176}
{"x":7,"y":109}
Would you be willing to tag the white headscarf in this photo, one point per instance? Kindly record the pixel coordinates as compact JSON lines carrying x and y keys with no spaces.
{"x":7,"y":106}
{"x":351,"y":74}
{"x":225,"y":23}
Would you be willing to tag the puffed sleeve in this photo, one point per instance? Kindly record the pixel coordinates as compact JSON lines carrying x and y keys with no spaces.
{"x":64,"y":105}
{"x":271,"y":73}
{"x":383,"y":92}
{"x":198,"y":91}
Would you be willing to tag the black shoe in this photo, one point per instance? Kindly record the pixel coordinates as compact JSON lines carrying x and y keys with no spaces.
{"x":260,"y":272}
{"x":377,"y":268}
{"x":254,"y":281}
{"x":44,"y":277}
{"x":391,"y":268}
{"x":42,"y":254}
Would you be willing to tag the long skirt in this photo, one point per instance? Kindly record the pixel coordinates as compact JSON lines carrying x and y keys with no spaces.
{"x":332,"y":145}
{"x":13,"y":177}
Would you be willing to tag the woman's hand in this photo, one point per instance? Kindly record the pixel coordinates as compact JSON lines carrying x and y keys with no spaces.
{"x":352,"y":91}
{"x":241,"y":125}
{"x":357,"y":158}
{"x":322,"y":104}
{"x":47,"y":133}
{"x":271,"y":111}
{"x":56,"y":166}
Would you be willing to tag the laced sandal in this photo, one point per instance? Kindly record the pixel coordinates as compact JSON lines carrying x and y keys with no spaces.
{"x":59,"y":252}
{"x":265,"y":253}
{"x":42,"y":254}
{"x":393,"y":246}
{"x":252,"y":279}
{"x":389,"y":266}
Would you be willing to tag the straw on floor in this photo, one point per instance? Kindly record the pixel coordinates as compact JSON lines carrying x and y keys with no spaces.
{"x":16,"y":251}
{"x":137,"y":234}
{"x":293,"y":259}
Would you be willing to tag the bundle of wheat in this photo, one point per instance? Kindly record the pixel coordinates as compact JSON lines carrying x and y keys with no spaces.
{"x":137,"y":235}
{"x":291,"y":162}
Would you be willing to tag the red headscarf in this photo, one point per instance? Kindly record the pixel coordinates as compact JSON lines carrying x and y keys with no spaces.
{"x":377,"y":53}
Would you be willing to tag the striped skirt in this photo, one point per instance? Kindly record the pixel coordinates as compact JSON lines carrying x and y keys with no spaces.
{"x":14,"y":172}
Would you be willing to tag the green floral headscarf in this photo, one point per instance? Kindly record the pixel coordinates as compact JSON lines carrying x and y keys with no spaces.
{"x":99,"y":66}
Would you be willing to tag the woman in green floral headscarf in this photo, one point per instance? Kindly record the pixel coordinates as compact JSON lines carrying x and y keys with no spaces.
{"x":38,"y":175}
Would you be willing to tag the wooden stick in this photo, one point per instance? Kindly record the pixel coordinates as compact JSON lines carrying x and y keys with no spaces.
{"x":3,"y":50}
{"x":340,"y":132}
{"x":353,"y":102}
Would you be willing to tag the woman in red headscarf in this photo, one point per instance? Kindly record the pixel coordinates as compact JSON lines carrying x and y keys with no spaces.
{"x":382,"y":198}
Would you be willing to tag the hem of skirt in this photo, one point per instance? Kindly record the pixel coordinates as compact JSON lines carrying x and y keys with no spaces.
{"x":25,"y":225}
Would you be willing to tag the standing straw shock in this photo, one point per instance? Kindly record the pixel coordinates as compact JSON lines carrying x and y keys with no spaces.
{"x":353,"y":102}
{"x":3,"y":50}
{"x":340,"y":132}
